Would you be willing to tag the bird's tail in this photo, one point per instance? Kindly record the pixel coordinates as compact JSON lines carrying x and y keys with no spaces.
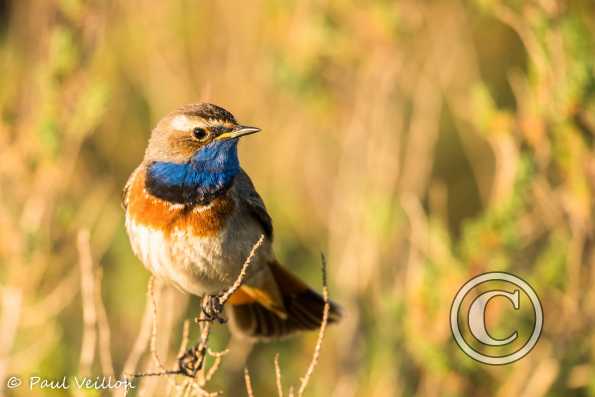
{"x":301,"y":309}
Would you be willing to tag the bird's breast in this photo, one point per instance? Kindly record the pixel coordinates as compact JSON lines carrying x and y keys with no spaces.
{"x":177,"y":242}
{"x":199,"y":248}
{"x":153,"y":212}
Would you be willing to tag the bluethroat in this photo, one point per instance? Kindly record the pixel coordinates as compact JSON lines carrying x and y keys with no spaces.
{"x":193,"y":216}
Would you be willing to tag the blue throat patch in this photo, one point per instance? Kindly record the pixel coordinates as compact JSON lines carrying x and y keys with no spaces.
{"x":207,"y":175}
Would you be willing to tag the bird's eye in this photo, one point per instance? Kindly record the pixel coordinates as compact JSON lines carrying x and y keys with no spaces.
{"x":199,"y":133}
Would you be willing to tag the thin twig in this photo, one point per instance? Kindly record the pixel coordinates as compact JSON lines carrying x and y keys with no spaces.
{"x":240,"y":279}
{"x":185,"y":335}
{"x":216,"y":364}
{"x":147,"y":336}
{"x":153,"y":341}
{"x":248,"y":380}
{"x":202,"y":346}
{"x":278,"y":376}
{"x":321,"y":333}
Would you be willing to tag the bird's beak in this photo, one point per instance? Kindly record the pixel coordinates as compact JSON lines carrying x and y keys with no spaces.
{"x":237,"y":132}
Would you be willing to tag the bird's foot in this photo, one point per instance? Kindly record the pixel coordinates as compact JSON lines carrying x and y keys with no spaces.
{"x":212,"y":309}
{"x":192,"y":360}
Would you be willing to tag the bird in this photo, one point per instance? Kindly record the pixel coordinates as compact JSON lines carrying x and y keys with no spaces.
{"x":193,"y":216}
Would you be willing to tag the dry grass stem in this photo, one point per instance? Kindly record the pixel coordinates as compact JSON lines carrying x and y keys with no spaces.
{"x":185,"y":337}
{"x":153,"y":340}
{"x":278,"y":380}
{"x":89,"y":308}
{"x":203,"y":343}
{"x":105,"y":349}
{"x":243,"y":272}
{"x":321,"y":333}
{"x":248,"y":380}
{"x":216,"y":363}
{"x":317,"y":350}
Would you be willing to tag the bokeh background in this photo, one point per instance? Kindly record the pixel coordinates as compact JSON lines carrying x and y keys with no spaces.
{"x":415,"y":143}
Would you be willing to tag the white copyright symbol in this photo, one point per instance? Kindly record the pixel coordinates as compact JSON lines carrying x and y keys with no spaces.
{"x":476,"y":316}
{"x":13,"y":382}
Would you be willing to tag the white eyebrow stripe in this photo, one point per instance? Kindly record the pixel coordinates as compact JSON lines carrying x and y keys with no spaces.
{"x":181,"y":123}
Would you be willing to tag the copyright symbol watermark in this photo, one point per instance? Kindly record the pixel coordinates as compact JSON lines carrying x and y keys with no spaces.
{"x":13,"y":382}
{"x":505,"y":344}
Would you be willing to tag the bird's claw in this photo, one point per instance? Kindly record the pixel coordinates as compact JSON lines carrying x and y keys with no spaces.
{"x":212,"y":310}
{"x":192,"y":361}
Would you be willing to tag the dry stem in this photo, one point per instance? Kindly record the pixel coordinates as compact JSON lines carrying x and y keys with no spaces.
{"x":88,"y":297}
{"x":105,"y":353}
{"x":153,"y":341}
{"x":240,"y":280}
{"x":322,"y":331}
{"x":248,"y":380}
{"x":315,"y":357}
{"x":278,"y":376}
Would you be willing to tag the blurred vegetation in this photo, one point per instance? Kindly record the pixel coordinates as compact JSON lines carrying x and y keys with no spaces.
{"x":417,"y":143}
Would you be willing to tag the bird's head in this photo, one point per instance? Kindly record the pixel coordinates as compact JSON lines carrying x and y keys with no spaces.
{"x":192,"y":155}
{"x":195,"y":130}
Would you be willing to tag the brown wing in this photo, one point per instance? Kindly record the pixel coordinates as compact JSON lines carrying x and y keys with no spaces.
{"x":253,"y":202}
{"x":124,"y":196}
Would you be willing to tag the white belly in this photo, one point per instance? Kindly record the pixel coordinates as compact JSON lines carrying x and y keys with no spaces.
{"x":197,"y":264}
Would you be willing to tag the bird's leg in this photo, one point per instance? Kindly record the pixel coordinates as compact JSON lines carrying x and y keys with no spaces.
{"x":212,"y":309}
{"x":193,"y":359}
